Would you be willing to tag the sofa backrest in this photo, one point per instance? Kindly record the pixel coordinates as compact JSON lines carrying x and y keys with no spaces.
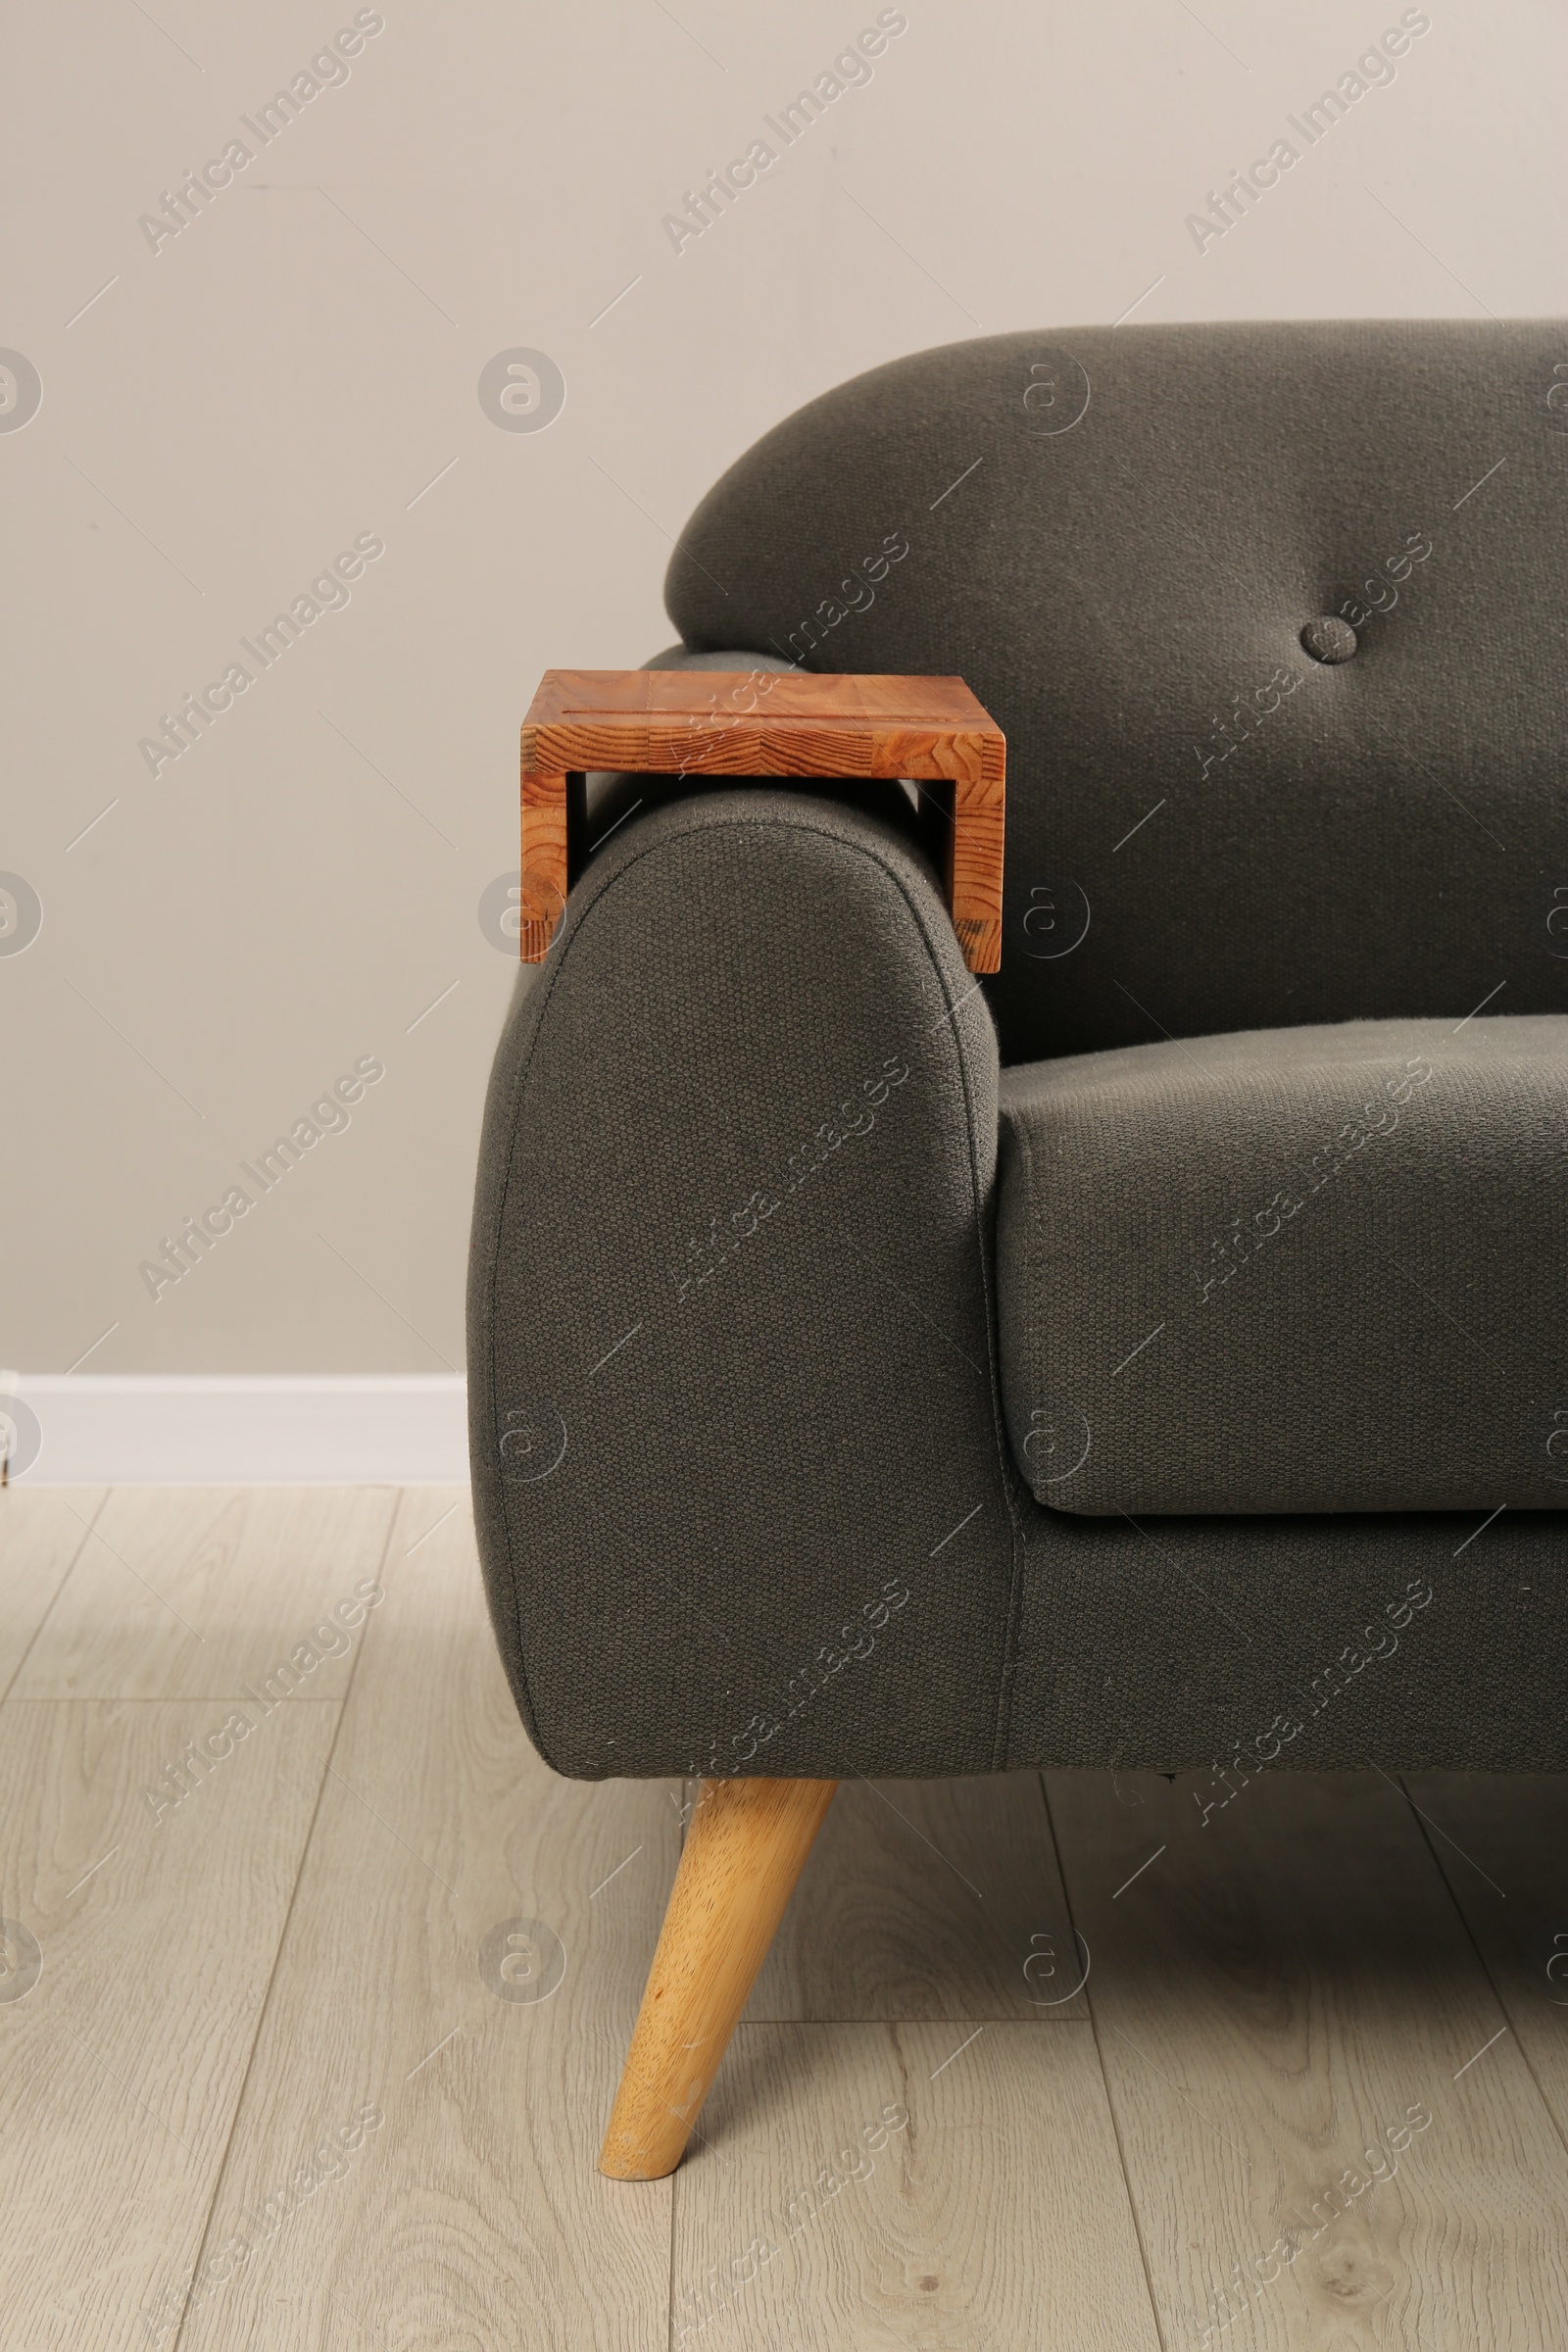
{"x":1117,"y":536}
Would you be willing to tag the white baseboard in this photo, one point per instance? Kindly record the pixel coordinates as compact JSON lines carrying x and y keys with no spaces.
{"x":302,"y":1430}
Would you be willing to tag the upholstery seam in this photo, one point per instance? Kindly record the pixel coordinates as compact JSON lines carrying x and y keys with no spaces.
{"x":1005,"y":1700}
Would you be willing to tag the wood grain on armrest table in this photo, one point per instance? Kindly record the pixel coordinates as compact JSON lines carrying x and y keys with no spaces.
{"x":731,"y":723}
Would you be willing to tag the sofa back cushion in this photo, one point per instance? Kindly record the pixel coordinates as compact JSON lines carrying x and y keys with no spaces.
{"x":1117,"y":536}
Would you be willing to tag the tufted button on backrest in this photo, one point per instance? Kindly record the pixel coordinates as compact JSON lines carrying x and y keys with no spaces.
{"x":1328,"y":638}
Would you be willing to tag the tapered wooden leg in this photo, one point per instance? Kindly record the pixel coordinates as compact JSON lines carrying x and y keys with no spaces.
{"x":745,"y":1848}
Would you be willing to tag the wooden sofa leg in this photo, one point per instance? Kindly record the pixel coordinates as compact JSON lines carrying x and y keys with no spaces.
{"x":745,"y":1848}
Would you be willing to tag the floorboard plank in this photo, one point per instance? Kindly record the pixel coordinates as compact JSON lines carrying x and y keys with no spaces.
{"x":994,"y":2216}
{"x":1502,"y":1841}
{"x":42,"y":1529}
{"x":336,"y":2118}
{"x":470,"y":2211}
{"x":1280,"y":1989}
{"x":201,"y":1592}
{"x":121,"y":2068}
{"x":928,"y":1899}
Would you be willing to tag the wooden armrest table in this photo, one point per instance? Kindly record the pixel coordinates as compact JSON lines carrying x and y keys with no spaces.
{"x":712,"y":723}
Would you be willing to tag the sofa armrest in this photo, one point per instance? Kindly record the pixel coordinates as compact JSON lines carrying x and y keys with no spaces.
{"x":743,"y":1498}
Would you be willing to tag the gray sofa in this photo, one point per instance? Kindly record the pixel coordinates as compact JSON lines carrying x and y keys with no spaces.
{"x":1154,"y":1355}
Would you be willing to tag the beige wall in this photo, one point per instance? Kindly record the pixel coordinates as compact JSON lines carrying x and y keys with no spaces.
{"x":291,"y":369}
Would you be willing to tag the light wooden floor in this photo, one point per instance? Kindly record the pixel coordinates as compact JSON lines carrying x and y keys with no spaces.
{"x":262,"y":2052}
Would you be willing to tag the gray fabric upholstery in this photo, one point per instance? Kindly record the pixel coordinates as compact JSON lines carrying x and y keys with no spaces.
{"x":712,"y":1495}
{"x":1164,"y":1645}
{"x":1291,"y":1270}
{"x":1386,"y":835}
{"x":770,"y":1521}
{"x":721,"y":1398}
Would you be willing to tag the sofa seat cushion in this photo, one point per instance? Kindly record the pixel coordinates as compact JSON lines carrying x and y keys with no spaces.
{"x":1319,"y":1269}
